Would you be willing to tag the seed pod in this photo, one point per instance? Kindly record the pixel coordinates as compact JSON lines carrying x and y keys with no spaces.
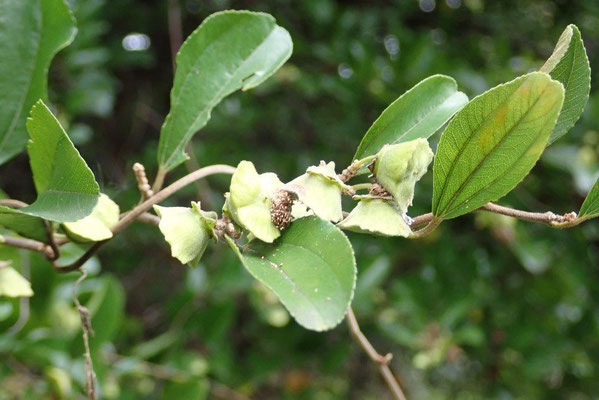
{"x":187,"y":231}
{"x":249,"y":201}
{"x":398,"y":167}
{"x":376,"y":216}
{"x":96,"y":226}
{"x":320,"y":190}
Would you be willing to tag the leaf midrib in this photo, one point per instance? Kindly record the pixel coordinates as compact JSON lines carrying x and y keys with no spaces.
{"x":479,"y":165}
{"x":180,"y":145}
{"x":468,"y":140}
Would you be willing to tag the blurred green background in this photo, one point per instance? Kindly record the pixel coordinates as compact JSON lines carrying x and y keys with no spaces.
{"x":487,"y":307}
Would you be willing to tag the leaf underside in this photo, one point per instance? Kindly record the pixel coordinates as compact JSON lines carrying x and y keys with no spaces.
{"x":492,"y":144}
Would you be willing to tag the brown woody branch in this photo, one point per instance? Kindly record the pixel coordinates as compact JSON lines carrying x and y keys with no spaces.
{"x":381,"y":361}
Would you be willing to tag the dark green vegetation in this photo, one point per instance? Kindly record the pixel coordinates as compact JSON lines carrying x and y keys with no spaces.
{"x":485,"y":307}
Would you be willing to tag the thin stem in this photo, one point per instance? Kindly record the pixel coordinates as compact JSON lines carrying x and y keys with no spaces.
{"x":548,"y":217}
{"x":381,"y":361}
{"x":175,"y":31}
{"x":421,"y":220}
{"x":27,"y":244}
{"x":13,"y":203}
{"x":159,"y":181}
{"x":433,"y":223}
{"x":362,"y":186}
{"x":86,"y":326}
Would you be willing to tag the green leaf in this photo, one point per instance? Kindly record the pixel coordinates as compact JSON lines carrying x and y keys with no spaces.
{"x":418,"y":113}
{"x":31,"y":33}
{"x":12,"y":284}
{"x":230,"y":50}
{"x":66,"y":187}
{"x":23,"y":224}
{"x":96,"y":226}
{"x":311,"y":268}
{"x":493,"y":143}
{"x":569,"y":65}
{"x":590,"y":207}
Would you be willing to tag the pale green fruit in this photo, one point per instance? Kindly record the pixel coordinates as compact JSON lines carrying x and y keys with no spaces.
{"x":376,"y":216}
{"x":248,"y":202}
{"x":398,"y":167}
{"x":320,"y":190}
{"x":187,"y":231}
{"x":12,"y":284}
{"x":96,"y":226}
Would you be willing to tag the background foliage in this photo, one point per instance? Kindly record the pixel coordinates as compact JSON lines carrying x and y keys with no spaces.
{"x":485,"y":307}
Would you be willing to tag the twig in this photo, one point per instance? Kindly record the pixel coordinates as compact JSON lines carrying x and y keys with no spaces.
{"x":13,"y":203}
{"x":421,"y":220}
{"x":53,"y":245}
{"x":149,"y":219}
{"x":27,"y":244}
{"x":381,"y":361}
{"x":86,"y":326}
{"x":548,"y":217}
{"x":433,"y":223}
{"x":140,"y":209}
{"x":175,"y":32}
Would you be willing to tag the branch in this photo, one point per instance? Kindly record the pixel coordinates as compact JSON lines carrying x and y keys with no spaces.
{"x":381,"y":361}
{"x":86,"y":326}
{"x":13,"y":203}
{"x":140,"y":209}
{"x":27,"y":244}
{"x":548,"y":217}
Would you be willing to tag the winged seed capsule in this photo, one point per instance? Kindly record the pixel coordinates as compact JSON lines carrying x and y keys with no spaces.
{"x":398,"y":167}
{"x":249,"y":201}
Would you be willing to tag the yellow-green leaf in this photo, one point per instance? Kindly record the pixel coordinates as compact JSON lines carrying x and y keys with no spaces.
{"x":493,"y":143}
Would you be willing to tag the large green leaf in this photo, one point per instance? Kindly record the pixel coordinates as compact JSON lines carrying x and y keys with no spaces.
{"x":590,"y":207}
{"x":66,"y":187}
{"x":311,"y":268}
{"x":23,"y":224}
{"x":492,"y":144}
{"x":31,"y":33}
{"x":230,"y":50}
{"x":418,"y":113}
{"x":569,"y":65}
